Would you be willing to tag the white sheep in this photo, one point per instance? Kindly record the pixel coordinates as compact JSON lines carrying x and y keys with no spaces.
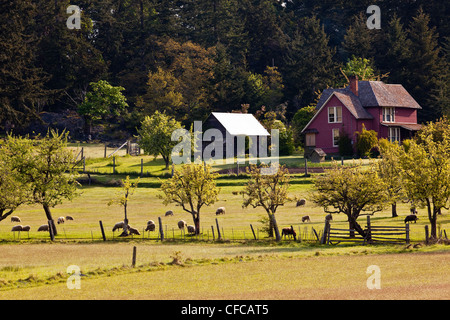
{"x":150,"y":222}
{"x":44,"y":227}
{"x":220,"y":210}
{"x":118,"y":225}
{"x":134,"y":231}
{"x":15,"y":219}
{"x":150,"y":227}
{"x":61,"y":220}
{"x":191,"y":229}
{"x":182,"y":224}
{"x":17,"y":228}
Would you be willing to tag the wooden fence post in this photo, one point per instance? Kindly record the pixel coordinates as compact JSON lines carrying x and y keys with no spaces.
{"x":161,"y":231}
{"x":114,"y":165}
{"x":306,"y":167}
{"x":407,"y":233}
{"x":254,"y":235}
{"x":142,"y":167}
{"x":325,"y":232}
{"x":103,"y":231}
{"x":212,"y":228}
{"x":133,"y":261}
{"x":219,"y":236}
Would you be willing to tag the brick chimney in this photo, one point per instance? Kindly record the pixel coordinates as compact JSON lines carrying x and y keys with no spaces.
{"x":354,"y":85}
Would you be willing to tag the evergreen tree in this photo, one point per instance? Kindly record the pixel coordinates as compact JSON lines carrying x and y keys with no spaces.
{"x":424,"y":66}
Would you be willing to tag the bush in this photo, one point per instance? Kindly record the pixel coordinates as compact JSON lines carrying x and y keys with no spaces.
{"x":345,"y":145}
{"x":366,"y":140}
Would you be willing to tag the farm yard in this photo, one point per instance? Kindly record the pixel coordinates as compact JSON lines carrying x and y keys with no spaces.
{"x":33,"y":267}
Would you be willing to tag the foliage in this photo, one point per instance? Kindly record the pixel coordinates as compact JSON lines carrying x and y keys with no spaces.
{"x":350,"y":190}
{"x":192,"y":187}
{"x":103,"y":101}
{"x":46,"y":166}
{"x":300,"y":120}
{"x":156,"y":135}
{"x":268,"y":191}
{"x":366,"y":140}
{"x":123,"y":197}
{"x":425,"y":170}
{"x":345,"y":145}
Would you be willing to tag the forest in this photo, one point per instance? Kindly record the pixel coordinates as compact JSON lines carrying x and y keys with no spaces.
{"x":188,"y":58}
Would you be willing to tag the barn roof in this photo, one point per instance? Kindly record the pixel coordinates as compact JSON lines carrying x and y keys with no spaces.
{"x":241,"y":124}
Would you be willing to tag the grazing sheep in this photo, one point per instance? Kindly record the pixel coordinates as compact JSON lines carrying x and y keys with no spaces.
{"x":15,"y":219}
{"x":306,"y":218}
{"x":117,"y":226}
{"x":44,"y":227}
{"x":288,"y":232}
{"x":134,"y":231}
{"x":220,"y":210}
{"x":150,"y":227}
{"x":69,"y":218}
{"x":169,"y":213}
{"x":301,"y":202}
{"x":191,"y":229}
{"x":61,"y":220}
{"x":26,"y":228}
{"x":17,"y":228}
{"x":235,"y":193}
{"x":150,"y":222}
{"x":329,"y":217}
{"x":182,"y":224}
{"x":410,"y":218}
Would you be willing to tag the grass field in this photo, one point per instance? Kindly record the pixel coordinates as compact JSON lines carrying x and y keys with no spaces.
{"x":34,"y":268}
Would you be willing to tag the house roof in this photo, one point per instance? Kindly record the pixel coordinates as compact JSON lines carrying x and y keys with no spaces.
{"x":373,"y":94}
{"x":241,"y":124}
{"x":407,"y":126}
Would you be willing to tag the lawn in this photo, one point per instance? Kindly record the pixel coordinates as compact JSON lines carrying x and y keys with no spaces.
{"x":33,"y":267}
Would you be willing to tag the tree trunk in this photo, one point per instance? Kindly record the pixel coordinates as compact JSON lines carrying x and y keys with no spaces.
{"x":394,"y":210}
{"x":196,"y":218}
{"x":48,"y":214}
{"x":354,"y":226}
{"x":125,"y":222}
{"x":275,"y":227}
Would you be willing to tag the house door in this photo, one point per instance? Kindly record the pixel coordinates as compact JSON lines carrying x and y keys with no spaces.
{"x":310,"y":139}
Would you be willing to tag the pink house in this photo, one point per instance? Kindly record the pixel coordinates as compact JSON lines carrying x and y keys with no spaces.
{"x":386,"y":108}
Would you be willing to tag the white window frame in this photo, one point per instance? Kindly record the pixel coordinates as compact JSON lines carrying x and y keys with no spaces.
{"x":333,"y":136}
{"x":335,"y":115}
{"x":389,"y":114}
{"x":394,"y":134}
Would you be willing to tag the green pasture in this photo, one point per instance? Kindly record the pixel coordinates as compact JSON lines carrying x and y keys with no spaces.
{"x":31,"y":266}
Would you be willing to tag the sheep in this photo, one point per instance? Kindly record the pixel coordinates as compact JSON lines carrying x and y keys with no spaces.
{"x":301,"y":202}
{"x":26,"y":228}
{"x":169,"y":213}
{"x":61,"y":220}
{"x":118,"y":225}
{"x":411,"y":217}
{"x":17,"y":228}
{"x":288,"y":232}
{"x":306,"y":218}
{"x":69,"y":218}
{"x":182,"y":224}
{"x":220,"y":210}
{"x":134,"y":231}
{"x":44,"y":227}
{"x":191,"y":229}
{"x":150,"y":227}
{"x":15,"y":219}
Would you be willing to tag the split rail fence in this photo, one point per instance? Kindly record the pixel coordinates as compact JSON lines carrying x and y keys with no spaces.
{"x":373,"y":234}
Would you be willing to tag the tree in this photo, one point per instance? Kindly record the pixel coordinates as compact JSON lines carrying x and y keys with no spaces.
{"x":103,"y":101}
{"x":350,"y":190}
{"x":366,"y":140}
{"x":360,"y":40}
{"x":192,"y":187}
{"x":425,"y":170}
{"x":47,"y":166}
{"x":122,"y":198}
{"x":156,"y":135}
{"x":267,"y":191}
{"x":300,"y":120}
{"x":14,"y":191}
{"x":424,"y":65}
{"x":389,"y":171}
